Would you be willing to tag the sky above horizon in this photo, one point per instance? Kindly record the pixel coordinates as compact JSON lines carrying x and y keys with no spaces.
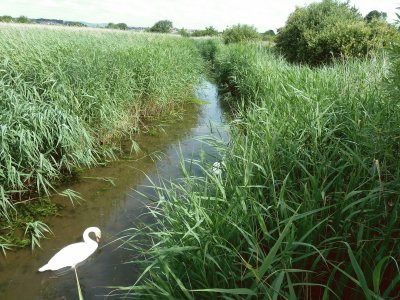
{"x":263,"y":14}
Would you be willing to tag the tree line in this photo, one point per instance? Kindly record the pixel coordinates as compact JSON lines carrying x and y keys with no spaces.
{"x":26,"y":20}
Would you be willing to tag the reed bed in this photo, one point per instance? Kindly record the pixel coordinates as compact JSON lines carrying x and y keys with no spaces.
{"x":307,"y":202}
{"x":69,"y":96}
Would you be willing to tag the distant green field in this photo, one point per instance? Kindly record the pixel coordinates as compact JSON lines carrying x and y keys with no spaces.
{"x":67,"y":94}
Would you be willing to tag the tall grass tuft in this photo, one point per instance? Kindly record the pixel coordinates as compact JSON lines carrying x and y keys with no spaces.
{"x":208,"y":48}
{"x":69,"y":95}
{"x":308,"y":200}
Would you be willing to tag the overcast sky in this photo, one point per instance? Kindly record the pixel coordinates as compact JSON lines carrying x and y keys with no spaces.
{"x":192,"y":14}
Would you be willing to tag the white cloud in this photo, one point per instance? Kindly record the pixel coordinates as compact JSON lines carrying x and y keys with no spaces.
{"x":264,"y":14}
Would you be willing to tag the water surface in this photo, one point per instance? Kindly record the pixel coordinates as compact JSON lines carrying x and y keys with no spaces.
{"x":113,"y":208}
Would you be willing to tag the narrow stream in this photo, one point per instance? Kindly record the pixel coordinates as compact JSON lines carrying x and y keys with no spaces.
{"x":112,"y":208}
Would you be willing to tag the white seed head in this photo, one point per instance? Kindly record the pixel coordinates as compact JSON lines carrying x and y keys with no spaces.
{"x":216,"y":168}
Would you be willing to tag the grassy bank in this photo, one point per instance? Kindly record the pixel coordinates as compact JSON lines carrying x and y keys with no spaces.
{"x":69,"y":95}
{"x":306,"y":206}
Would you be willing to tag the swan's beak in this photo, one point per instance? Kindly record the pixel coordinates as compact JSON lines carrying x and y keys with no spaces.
{"x":97,"y":238}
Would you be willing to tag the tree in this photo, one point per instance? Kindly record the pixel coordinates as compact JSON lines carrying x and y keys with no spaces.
{"x":183,"y":32}
{"x":321,"y":32}
{"x":121,"y":26}
{"x":163,"y":26}
{"x":75,"y":24}
{"x":374,"y":14}
{"x":22,"y":19}
{"x":197,"y":33}
{"x":110,"y":26}
{"x":240,"y":33}
{"x":210,"y":31}
{"x":6,"y":19}
{"x":269,"y":35}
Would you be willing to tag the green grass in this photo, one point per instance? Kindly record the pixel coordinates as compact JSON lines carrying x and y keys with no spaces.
{"x":208,"y":48}
{"x":307,"y":205}
{"x":24,"y":228}
{"x":69,"y":95}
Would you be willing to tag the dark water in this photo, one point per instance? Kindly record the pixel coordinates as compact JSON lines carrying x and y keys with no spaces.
{"x":112,"y":208}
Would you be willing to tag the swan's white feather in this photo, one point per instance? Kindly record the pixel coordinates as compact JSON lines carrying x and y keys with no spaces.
{"x":73,"y":254}
{"x":69,"y":256}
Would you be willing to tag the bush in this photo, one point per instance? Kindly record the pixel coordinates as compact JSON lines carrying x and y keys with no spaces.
{"x":240,"y":33}
{"x":209,"y":31}
{"x":183,"y":32}
{"x":163,"y":26}
{"x":321,"y":32}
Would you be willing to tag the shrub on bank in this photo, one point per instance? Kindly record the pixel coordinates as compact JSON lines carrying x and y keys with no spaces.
{"x":322,"y":32}
{"x":240,"y":33}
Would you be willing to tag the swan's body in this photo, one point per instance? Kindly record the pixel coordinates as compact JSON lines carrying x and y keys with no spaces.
{"x":73,"y":254}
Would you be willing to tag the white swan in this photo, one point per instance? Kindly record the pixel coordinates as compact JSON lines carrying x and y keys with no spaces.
{"x":73,"y":254}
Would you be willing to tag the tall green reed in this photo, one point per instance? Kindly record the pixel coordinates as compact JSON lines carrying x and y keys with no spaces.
{"x":69,"y":96}
{"x":78,"y":286}
{"x":307,"y":205}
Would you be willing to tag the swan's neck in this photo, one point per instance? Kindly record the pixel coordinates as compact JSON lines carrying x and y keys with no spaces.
{"x":87,"y":238}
